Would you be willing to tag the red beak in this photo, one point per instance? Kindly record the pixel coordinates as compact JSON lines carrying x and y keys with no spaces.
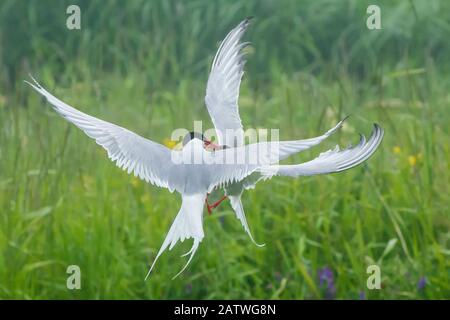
{"x":212,"y":145}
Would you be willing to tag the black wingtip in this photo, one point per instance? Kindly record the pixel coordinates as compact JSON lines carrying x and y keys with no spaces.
{"x":341,"y":123}
{"x":247,"y":20}
{"x":379,"y":129}
{"x":361,"y":136}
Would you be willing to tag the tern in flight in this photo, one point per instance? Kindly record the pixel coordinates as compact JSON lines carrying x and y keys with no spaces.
{"x":180,"y":170}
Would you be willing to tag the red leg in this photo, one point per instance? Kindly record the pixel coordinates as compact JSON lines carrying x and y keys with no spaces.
{"x":216,"y":204}
{"x":213,"y":206}
{"x":207,"y":205}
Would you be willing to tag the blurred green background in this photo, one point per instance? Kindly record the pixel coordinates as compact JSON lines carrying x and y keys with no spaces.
{"x":144,"y":65}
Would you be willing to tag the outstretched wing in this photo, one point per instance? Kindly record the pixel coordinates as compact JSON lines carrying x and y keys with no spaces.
{"x":148,"y":160}
{"x":288,"y":148}
{"x":332,"y":160}
{"x":236,"y":164}
{"x":222,"y":90}
{"x":232,"y":165}
{"x":281,"y":150}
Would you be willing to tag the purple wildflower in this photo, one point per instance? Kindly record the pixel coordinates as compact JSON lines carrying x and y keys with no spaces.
{"x":222,"y":220}
{"x":326,"y":281}
{"x":278,"y":276}
{"x":362,"y":295}
{"x":421,"y":283}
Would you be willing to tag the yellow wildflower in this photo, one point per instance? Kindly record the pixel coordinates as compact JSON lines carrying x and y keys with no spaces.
{"x":145,"y":198}
{"x":412,"y":160}
{"x":170,"y":143}
{"x":135,"y":181}
{"x":87,"y":181}
{"x":396,"y":150}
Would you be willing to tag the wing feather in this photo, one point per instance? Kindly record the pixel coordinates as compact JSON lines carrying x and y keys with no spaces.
{"x":335,"y":160}
{"x":146,"y":159}
{"x":222,"y":90}
{"x":238,"y":164}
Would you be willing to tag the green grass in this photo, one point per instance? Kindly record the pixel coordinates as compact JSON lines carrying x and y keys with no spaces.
{"x":62,"y":202}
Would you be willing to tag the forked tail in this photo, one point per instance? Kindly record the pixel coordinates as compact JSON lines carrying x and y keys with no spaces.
{"x":187,"y":224}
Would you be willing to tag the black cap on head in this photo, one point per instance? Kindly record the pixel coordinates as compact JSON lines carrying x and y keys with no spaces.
{"x":192,"y":135}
